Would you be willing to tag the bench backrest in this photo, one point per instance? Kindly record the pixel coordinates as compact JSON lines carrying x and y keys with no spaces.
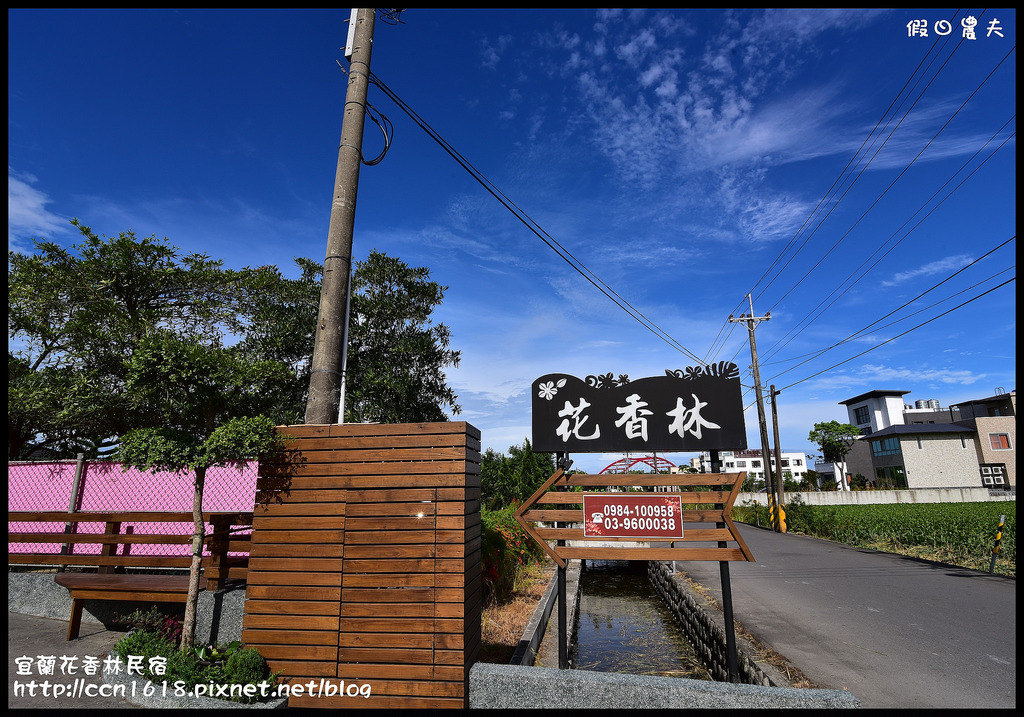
{"x":111,"y":542}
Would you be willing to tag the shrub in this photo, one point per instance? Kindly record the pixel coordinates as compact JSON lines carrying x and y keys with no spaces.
{"x":243,"y":666}
{"x":246,"y":666}
{"x":166,"y":626}
{"x":506,"y":549}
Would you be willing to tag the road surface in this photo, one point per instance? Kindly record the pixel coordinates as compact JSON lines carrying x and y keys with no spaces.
{"x":896,"y":632}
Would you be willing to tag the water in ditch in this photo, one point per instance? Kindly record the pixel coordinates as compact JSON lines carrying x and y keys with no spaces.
{"x":623,"y":625}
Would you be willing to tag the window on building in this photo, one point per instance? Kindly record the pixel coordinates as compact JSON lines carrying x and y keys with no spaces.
{"x":890,"y":478}
{"x":889,"y":446}
{"x":797,"y":462}
{"x":741,"y":464}
{"x":999,"y":441}
{"x":862,"y":415}
{"x":755,"y":464}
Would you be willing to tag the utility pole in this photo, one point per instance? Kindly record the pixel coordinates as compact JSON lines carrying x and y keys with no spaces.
{"x":326,"y":377}
{"x":780,"y":483}
{"x":752,"y":322}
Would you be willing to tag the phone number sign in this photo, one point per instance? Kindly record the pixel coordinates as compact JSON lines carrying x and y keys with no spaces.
{"x":633,"y":515}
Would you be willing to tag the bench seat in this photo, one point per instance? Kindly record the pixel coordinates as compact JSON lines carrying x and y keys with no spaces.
{"x":94,"y":586}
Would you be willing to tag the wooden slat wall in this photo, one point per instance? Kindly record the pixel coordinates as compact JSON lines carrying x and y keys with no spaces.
{"x":365,"y":562}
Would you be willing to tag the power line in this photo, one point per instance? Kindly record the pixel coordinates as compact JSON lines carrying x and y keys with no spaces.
{"x":523,"y":217}
{"x":898,"y":177}
{"x":842,"y":287}
{"x":857,"y":334}
{"x":855,"y":159}
{"x":852,"y":162}
{"x":887,"y":341}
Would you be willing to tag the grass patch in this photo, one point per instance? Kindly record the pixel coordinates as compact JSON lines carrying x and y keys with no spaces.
{"x":504,"y":620}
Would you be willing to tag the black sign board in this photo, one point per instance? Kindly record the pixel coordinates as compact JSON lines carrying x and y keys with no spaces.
{"x":696,"y":409}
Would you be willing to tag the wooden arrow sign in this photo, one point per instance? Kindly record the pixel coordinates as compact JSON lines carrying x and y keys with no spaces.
{"x":607,"y":512}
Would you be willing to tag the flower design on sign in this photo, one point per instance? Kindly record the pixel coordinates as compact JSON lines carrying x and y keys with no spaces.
{"x":595,"y":525}
{"x":549,"y":389}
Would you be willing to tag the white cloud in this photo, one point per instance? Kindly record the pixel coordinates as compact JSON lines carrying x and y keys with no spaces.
{"x":942,"y":266}
{"x":920,"y":375}
{"x":27,"y":213}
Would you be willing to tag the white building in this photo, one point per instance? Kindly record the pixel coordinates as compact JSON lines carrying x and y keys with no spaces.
{"x":794,"y":465}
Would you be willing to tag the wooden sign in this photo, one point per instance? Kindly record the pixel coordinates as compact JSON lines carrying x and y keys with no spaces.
{"x":699,"y":501}
{"x":697,"y":409}
{"x":656,"y":516}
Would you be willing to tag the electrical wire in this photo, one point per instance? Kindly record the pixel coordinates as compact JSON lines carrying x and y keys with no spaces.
{"x":777,"y":347}
{"x":532,"y":225}
{"x":860,"y":332}
{"x":898,"y":177}
{"x":887,"y":341}
{"x":842,"y":287}
{"x":383,"y":124}
{"x":854,"y":161}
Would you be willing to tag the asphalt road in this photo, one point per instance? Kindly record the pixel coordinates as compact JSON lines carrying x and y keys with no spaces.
{"x":896,"y":632}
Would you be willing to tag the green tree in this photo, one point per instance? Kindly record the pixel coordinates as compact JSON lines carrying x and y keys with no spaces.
{"x":77,"y":315}
{"x":199,"y":406}
{"x":396,"y":354}
{"x":835,"y":440}
{"x":507,"y":480}
{"x":75,"y":319}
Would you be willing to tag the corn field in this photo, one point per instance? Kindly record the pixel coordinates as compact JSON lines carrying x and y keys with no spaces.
{"x":962,"y":534}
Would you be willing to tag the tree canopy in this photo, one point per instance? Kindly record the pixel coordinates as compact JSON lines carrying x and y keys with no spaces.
{"x":75,"y":320}
{"x":396,"y":354}
{"x":834,"y":439}
{"x":78,"y":316}
{"x":507,"y":480}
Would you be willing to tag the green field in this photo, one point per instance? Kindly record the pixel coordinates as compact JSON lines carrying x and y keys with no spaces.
{"x":961,"y":534}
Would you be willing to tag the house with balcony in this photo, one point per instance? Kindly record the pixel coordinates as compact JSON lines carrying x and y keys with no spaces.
{"x":968,"y":444}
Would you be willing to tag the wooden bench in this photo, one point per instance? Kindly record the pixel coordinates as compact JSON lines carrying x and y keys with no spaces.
{"x":144,"y":588}
{"x":110,"y":582}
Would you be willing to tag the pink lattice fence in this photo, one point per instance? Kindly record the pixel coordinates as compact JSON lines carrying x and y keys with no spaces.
{"x":104,"y":486}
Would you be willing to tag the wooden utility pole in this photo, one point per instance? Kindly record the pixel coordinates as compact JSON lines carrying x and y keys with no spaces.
{"x":752,"y":322}
{"x":780,"y":483}
{"x":325,"y":380}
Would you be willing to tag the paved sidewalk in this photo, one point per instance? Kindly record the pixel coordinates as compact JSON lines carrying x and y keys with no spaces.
{"x":36,"y":637}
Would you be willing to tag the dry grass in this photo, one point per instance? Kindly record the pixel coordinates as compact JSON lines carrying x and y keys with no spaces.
{"x":504,"y":622}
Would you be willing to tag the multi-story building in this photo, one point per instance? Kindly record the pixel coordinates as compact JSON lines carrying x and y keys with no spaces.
{"x":794,"y":465}
{"x":925,"y":446}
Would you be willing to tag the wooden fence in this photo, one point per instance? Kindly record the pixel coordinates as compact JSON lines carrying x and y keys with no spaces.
{"x":365,"y":563}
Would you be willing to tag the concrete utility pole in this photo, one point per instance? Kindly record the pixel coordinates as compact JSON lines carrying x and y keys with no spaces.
{"x":752,"y":322}
{"x":780,"y":483}
{"x":325,"y":379}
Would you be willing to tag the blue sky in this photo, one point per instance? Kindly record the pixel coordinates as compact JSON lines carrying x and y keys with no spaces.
{"x":827,"y":162}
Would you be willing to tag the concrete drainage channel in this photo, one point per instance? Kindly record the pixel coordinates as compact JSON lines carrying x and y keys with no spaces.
{"x":522,"y":686}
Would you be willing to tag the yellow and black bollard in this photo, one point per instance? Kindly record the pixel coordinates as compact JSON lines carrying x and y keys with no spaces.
{"x":995,"y":550}
{"x":772,"y":507}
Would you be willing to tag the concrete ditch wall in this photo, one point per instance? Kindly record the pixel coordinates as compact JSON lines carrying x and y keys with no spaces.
{"x":521,"y":686}
{"x":706,"y":631}
{"x":871,"y":497}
